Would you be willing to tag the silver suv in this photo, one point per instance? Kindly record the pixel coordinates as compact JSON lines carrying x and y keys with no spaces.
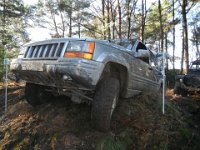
{"x":88,"y":70}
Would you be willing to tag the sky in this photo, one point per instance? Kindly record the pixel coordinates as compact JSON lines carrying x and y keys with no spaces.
{"x":36,"y":33}
{"x":30,"y":2}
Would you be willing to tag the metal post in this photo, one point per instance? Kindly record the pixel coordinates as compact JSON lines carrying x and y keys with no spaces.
{"x":6,"y":89}
{"x":163,"y":106}
{"x":6,"y":63}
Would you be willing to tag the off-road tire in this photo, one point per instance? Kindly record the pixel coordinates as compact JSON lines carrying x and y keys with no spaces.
{"x":35,"y":94}
{"x":104,"y":103}
{"x":183,"y":93}
{"x":177,"y":88}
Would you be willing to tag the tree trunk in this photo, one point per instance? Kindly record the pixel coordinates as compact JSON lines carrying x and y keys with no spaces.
{"x":173,"y":56}
{"x":113,"y":20}
{"x":4,"y":41}
{"x":166,"y":49}
{"x":143,"y":19}
{"x":185,"y":30}
{"x":182,"y":54}
{"x":63,"y":25}
{"x":70,"y":23}
{"x":161,"y":24}
{"x":55,"y":24}
{"x":79,"y":30}
{"x":128,"y":19}
{"x":108,"y":19}
{"x":120,"y":19}
{"x":103,"y":15}
{"x":54,"y":20}
{"x":62,"y":20}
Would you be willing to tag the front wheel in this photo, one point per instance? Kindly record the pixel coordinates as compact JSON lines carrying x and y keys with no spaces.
{"x":36,"y":95}
{"x":180,"y":91}
{"x":184,"y":93}
{"x":104,"y":103}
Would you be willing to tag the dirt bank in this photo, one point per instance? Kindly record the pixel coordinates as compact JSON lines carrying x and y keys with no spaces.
{"x":137,"y":124}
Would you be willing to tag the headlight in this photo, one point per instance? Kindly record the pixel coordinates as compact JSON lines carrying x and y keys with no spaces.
{"x":80,"y":49}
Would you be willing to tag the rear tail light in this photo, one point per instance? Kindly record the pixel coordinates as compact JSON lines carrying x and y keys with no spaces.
{"x":80,"y":49}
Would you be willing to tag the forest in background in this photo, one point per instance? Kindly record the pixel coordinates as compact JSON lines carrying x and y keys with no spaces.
{"x":153,"y":23}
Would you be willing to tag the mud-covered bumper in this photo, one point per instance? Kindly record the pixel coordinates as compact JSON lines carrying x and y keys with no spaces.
{"x":180,"y":86}
{"x":188,"y":88}
{"x":74,"y":73}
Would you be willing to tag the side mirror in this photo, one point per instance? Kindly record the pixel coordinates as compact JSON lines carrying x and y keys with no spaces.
{"x":141,"y":53}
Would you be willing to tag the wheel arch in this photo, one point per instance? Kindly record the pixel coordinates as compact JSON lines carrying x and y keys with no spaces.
{"x":119,"y":71}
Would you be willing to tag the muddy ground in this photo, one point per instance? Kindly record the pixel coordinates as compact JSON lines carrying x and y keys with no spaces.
{"x":138,"y":123}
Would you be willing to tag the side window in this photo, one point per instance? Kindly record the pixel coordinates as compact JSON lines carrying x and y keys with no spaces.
{"x":141,"y":46}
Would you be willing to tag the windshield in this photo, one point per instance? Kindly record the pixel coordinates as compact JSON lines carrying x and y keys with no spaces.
{"x":195,"y":66}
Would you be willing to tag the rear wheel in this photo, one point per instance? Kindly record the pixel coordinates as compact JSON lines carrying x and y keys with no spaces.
{"x":104,"y":103}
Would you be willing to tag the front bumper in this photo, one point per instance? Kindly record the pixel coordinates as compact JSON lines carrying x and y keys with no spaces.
{"x":188,"y":88}
{"x":70,"y":73}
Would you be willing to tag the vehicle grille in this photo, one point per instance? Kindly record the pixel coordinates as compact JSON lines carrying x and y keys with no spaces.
{"x":52,"y":50}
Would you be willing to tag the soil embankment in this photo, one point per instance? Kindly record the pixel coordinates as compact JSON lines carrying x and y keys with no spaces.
{"x":137,"y":123}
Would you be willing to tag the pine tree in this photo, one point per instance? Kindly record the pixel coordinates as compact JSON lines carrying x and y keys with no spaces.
{"x":12,"y":29}
{"x":60,"y":15}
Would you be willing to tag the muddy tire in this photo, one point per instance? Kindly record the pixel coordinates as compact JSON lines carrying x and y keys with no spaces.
{"x":104,"y":103}
{"x":177,"y":88}
{"x":180,"y":91}
{"x":36,"y":95}
{"x":183,"y":93}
